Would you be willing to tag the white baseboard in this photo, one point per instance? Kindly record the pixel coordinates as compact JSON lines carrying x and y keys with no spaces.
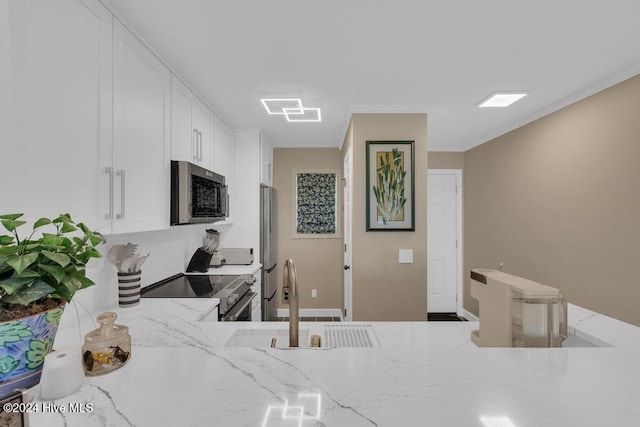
{"x":312,"y":312}
{"x":467,"y":315}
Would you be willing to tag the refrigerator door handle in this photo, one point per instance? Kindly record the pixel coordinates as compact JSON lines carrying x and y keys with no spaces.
{"x":270,"y":213}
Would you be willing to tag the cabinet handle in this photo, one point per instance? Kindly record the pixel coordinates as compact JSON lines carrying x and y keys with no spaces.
{"x":197,"y":145}
{"x":120,"y":173}
{"x":194,"y":144}
{"x":200,"y":146}
{"x":109,"y":172}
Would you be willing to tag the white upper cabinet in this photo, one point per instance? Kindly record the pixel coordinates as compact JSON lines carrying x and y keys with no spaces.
{"x":224,"y":164}
{"x":192,"y":127}
{"x":141,"y":136}
{"x":59,"y":118}
{"x":224,"y":153}
{"x":88,"y":121}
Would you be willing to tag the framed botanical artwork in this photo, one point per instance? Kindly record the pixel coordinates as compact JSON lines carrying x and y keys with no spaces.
{"x":390,"y":186}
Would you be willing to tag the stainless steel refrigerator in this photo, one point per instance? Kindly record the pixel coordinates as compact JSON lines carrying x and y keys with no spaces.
{"x":268,"y":252}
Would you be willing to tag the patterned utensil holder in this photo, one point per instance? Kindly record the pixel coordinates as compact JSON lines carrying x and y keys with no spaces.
{"x":129,"y":288}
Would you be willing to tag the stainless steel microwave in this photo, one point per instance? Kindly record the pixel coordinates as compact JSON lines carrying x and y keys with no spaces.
{"x":198,"y":195}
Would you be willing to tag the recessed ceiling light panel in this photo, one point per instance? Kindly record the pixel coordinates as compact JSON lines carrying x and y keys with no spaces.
{"x":502,"y":99}
{"x":277,"y":105}
{"x":496,"y":422}
{"x":302,"y":114}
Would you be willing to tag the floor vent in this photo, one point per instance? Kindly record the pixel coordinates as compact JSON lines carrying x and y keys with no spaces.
{"x":354,"y":336}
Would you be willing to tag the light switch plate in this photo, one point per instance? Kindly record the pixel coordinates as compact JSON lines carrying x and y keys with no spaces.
{"x":405,"y":256}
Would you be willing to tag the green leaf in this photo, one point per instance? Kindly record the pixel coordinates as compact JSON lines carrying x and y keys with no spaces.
{"x":3,"y":261}
{"x":62,"y":259}
{"x":42,"y":221}
{"x":52,"y":239}
{"x":28,"y":273}
{"x":68,"y":288}
{"x":62,"y":218}
{"x":62,"y":292}
{"x":88,"y":254}
{"x":13,"y":283}
{"x":28,"y":294}
{"x":68,"y":228}
{"x":11,"y":216}
{"x":12,"y":224}
{"x":6,"y":240}
{"x":95,"y":239}
{"x":72,"y":283}
{"x":57,"y":220}
{"x":54,"y":270}
{"x":67,"y":243}
{"x":21,"y":262}
{"x":84,"y":280}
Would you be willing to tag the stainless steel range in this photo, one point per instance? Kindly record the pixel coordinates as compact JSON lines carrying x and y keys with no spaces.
{"x":234,"y":292}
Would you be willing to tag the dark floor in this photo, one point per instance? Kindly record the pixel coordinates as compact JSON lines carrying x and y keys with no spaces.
{"x":432,"y":317}
{"x":311,"y":319}
{"x":445,"y":317}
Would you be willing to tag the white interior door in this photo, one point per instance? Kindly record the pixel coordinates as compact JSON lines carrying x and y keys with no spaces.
{"x":443,"y":245}
{"x":346,"y":221}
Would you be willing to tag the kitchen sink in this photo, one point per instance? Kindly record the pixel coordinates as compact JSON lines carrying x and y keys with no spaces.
{"x":331,"y":336}
{"x":263,"y":337}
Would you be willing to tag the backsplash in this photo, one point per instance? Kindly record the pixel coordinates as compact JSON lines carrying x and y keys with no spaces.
{"x":170,"y":252}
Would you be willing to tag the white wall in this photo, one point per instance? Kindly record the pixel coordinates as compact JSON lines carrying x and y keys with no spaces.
{"x":4,"y":71}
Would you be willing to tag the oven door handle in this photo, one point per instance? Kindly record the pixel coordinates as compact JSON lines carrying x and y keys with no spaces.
{"x":232,"y":315}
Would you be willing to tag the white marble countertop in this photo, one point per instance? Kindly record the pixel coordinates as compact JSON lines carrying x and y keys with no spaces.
{"x":228,"y":269}
{"x":424,"y":373}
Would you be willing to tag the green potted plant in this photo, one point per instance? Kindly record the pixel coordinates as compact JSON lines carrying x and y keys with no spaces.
{"x":38,"y":276}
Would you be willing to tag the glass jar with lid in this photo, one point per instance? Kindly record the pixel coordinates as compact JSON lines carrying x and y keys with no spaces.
{"x":107,"y":348}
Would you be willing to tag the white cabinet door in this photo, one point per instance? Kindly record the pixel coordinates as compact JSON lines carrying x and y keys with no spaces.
{"x":203,"y":126}
{"x":183,"y":137}
{"x":191,"y":127}
{"x":59,"y":117}
{"x":141,"y":136}
{"x":224,"y":159}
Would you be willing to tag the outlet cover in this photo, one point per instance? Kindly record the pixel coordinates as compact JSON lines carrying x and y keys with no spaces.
{"x":405,"y":256}
{"x":314,"y":293}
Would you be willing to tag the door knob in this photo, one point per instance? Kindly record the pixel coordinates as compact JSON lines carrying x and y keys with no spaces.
{"x":347,"y":267}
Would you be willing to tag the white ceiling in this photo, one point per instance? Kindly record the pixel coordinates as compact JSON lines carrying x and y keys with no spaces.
{"x":440,"y":57}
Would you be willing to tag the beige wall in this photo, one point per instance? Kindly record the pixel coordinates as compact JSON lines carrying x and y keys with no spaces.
{"x":383,"y":289}
{"x":446,"y":160}
{"x":318,"y":261}
{"x":557,"y":201}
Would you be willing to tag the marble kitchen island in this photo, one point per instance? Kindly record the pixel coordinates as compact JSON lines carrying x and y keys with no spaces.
{"x":423,"y":374}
